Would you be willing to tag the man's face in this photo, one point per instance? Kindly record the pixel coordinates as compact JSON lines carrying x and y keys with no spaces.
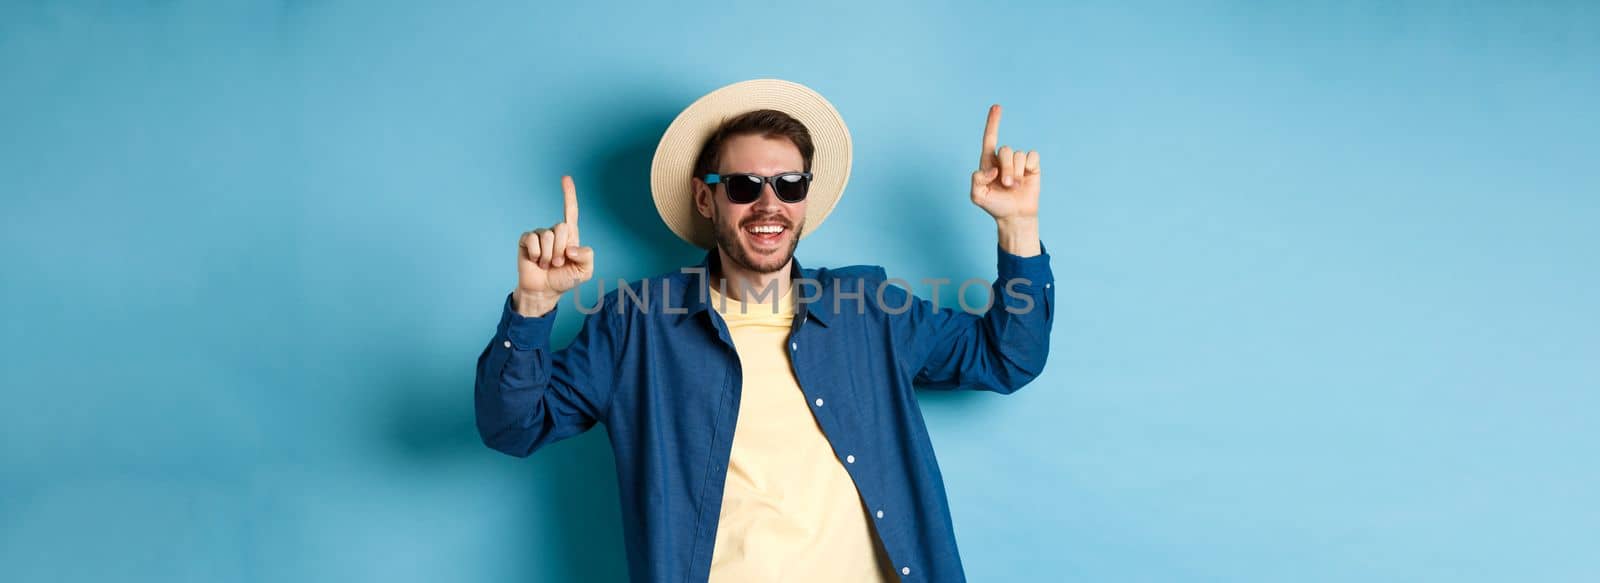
{"x":736,"y":223}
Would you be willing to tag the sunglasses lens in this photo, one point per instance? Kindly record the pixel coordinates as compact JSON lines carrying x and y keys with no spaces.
{"x":791,"y":187}
{"x":743,"y":188}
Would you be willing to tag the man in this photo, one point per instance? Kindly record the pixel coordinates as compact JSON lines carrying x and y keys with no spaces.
{"x":761,"y":413}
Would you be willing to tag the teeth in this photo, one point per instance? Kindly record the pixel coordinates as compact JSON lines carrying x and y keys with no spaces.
{"x":766,"y":229}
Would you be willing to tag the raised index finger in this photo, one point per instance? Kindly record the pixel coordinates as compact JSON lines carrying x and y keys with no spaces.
{"x":991,"y":137}
{"x":570,"y":193}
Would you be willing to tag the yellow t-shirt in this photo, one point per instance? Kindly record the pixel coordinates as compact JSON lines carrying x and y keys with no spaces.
{"x":790,"y":512}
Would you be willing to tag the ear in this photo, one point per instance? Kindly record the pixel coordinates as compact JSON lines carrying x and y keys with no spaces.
{"x":702,"y":197}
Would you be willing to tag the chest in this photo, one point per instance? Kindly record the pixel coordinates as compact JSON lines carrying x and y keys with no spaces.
{"x":696,"y":372}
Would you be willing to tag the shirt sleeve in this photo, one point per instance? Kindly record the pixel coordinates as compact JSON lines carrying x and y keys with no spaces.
{"x":528,"y":395}
{"x":998,"y":349}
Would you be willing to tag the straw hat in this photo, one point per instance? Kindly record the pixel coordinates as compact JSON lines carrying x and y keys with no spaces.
{"x":671,"y":170}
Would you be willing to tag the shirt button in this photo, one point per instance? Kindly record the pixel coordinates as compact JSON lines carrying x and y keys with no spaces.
{"x":819,"y":401}
{"x":880,"y":514}
{"x":508,"y":344}
{"x":1047,"y":286}
{"x":792,"y":345}
{"x":905,"y":570}
{"x":849,"y":459}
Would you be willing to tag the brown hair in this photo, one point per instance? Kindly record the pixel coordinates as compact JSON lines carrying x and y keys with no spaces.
{"x":769,"y":123}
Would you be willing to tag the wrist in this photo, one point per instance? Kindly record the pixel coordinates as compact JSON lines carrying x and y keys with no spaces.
{"x":534,"y":304}
{"x":1019,"y":235}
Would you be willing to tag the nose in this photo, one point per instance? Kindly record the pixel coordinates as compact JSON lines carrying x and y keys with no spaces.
{"x":768,"y":200}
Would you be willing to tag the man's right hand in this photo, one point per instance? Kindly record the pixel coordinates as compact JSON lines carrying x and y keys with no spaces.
{"x":550,"y":262}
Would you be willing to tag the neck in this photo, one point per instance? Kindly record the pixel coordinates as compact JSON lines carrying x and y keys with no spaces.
{"x":742,"y":282}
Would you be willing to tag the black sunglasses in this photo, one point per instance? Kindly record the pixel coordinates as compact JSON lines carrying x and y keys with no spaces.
{"x":791,"y":187}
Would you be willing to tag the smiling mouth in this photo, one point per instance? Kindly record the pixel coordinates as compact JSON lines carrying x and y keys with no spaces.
{"x":766,"y":234}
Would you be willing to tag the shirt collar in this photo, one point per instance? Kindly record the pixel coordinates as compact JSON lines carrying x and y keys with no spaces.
{"x":697,"y":278}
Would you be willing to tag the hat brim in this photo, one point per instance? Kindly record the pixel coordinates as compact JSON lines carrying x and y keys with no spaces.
{"x":671,"y":170}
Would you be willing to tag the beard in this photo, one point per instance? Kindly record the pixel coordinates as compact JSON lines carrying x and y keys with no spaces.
{"x":729,"y":240}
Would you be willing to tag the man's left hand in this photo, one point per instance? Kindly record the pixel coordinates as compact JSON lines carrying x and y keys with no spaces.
{"x":1006,"y":184}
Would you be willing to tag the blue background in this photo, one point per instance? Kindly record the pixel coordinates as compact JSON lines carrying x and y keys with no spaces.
{"x":1327,"y":276}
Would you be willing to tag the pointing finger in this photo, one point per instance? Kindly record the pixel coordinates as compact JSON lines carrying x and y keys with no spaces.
{"x":991,"y":137}
{"x":570,"y":194}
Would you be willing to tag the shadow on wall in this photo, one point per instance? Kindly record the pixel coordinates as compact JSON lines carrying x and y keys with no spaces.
{"x":622,"y":181}
{"x":939,"y":236}
{"x":568,"y":490}
{"x":571,"y":495}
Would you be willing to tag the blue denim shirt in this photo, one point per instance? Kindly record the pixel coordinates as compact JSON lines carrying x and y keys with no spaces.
{"x":656,"y":365}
